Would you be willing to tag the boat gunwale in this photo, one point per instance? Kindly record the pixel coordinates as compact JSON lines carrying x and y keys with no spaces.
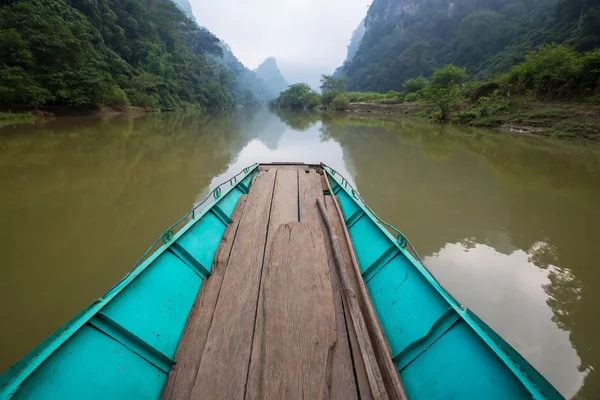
{"x":476,"y":324}
{"x":14,"y":376}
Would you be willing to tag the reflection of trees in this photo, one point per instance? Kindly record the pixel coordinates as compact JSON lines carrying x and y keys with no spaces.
{"x":454,"y":184}
{"x":89,"y":196}
{"x":298,"y":120}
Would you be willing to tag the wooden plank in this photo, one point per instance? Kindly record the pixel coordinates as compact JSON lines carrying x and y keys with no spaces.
{"x":382,"y":349}
{"x":324,"y":186}
{"x":310,"y":189}
{"x":189,"y":352}
{"x":284,"y":209}
{"x":359,"y":365}
{"x":224,"y":365}
{"x":343,"y":383}
{"x":266,"y":167}
{"x":299,"y":315}
{"x":378,"y":388}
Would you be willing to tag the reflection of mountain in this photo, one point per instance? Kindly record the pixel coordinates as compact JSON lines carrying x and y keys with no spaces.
{"x":267,"y":128}
{"x":443,"y":186}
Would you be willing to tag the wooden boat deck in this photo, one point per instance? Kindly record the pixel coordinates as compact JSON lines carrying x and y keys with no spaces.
{"x":272,"y":321}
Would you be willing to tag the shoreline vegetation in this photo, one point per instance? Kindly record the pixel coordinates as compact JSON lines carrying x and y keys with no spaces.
{"x":554,"y":92}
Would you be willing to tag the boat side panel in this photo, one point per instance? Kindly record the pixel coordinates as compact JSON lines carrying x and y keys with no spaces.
{"x":407,"y":305}
{"x":155,"y":306}
{"x":423,"y":329}
{"x":202,"y":240}
{"x":460,"y":366}
{"x":91,"y":360}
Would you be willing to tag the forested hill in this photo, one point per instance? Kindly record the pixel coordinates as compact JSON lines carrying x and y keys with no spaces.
{"x":408,"y":38}
{"x":247,"y":81}
{"x":110,"y":52}
{"x":353,"y":46}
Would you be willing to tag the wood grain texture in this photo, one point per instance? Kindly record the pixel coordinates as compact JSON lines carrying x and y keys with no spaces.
{"x":364,"y":342}
{"x":299,"y":315}
{"x":359,"y":366}
{"x":224,"y":365}
{"x":381,"y":346}
{"x":344,"y":364}
{"x":310,"y":188}
{"x":284,"y":209}
{"x":190,"y":349}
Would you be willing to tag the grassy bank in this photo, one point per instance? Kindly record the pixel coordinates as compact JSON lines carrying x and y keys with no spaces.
{"x":12,"y":119}
{"x":565,"y":120}
{"x":555,"y":91}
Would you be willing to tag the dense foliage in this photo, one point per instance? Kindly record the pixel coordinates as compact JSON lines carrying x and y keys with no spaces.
{"x":109,"y":52}
{"x":554,"y":74}
{"x":298,"y":96}
{"x":410,"y":38}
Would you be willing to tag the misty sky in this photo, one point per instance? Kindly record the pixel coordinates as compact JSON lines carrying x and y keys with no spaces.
{"x":300,"y":34}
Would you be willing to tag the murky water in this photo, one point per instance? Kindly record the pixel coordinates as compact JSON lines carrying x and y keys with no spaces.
{"x":510,"y":225}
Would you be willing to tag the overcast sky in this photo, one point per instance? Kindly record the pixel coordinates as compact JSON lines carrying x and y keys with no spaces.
{"x":302,"y":34}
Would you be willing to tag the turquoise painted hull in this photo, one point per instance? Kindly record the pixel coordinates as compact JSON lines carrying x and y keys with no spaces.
{"x":123,"y":345}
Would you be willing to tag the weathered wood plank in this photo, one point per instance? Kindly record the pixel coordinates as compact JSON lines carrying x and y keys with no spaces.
{"x":364,"y":342}
{"x":381,"y":347}
{"x":359,"y":365}
{"x":343,"y":384}
{"x":284,"y":209}
{"x":310,"y":189}
{"x":299,"y":315}
{"x":224,"y":365}
{"x":383,"y":353}
{"x":189,"y":352}
{"x":278,"y":167}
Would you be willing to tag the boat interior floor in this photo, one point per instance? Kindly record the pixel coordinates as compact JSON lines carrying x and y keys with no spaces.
{"x":272,"y":320}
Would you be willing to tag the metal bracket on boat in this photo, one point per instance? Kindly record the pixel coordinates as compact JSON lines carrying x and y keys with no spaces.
{"x":167,"y":236}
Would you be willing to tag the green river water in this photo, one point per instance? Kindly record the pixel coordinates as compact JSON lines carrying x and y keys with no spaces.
{"x":508,"y":224}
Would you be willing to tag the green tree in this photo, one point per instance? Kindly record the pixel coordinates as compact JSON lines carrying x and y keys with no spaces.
{"x":443,"y":89}
{"x":297,"y":97}
{"x":330,"y":88}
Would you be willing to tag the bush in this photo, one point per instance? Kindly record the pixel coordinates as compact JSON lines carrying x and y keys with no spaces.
{"x":340,"y":102}
{"x":436,"y":117}
{"x":464,"y":117}
{"x":414,"y":85}
{"x":117,"y":99}
{"x":411,"y":97}
{"x":490,"y":105}
{"x":553,"y":71}
{"x":327,"y":97}
{"x":590,"y":72}
{"x":311,"y":100}
{"x":448,"y":76}
{"x":297,"y":97}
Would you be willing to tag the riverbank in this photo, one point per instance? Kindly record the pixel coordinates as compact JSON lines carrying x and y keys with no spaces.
{"x":27,"y":115}
{"x":13,"y":119}
{"x":573,"y":121}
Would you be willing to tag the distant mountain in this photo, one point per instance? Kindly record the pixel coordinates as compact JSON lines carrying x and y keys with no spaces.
{"x":246,"y":80}
{"x":269,"y":72}
{"x":355,"y":41}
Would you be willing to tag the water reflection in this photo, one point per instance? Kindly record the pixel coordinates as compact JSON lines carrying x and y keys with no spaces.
{"x":508,"y":224}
